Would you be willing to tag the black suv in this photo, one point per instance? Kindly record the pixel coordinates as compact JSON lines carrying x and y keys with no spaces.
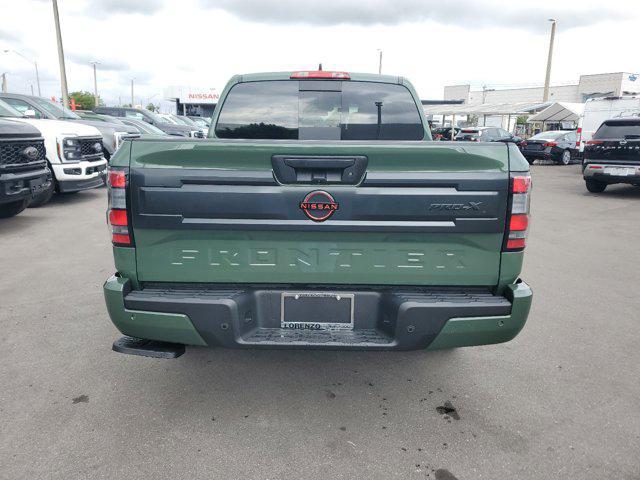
{"x":23,"y":166}
{"x":151,"y":118}
{"x":613,"y":154}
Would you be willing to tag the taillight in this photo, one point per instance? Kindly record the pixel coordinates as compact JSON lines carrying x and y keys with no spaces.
{"x":321,"y":74}
{"x":518,"y":218}
{"x":550,"y":144}
{"x":117,"y":213}
{"x":579,"y":134}
{"x":595,"y":142}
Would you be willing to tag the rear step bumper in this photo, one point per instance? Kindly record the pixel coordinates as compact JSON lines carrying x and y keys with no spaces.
{"x":392,"y":318}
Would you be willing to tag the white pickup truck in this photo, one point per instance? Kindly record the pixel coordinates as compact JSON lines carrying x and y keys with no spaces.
{"x":74,"y":154}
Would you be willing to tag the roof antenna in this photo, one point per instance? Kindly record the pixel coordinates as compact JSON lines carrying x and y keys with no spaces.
{"x":319,"y":67}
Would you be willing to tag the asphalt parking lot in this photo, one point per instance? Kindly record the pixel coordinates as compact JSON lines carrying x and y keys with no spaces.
{"x":560,"y":401}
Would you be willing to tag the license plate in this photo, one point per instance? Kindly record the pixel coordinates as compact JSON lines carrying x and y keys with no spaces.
{"x":37,"y":186}
{"x":316,"y":311}
{"x":619,"y":171}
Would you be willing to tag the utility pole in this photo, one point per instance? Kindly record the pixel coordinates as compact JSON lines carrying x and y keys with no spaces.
{"x":547,"y":79}
{"x":132,"y":102}
{"x":95,"y":83}
{"x":63,"y":70}
{"x":38,"y":79}
{"x":379,"y":61}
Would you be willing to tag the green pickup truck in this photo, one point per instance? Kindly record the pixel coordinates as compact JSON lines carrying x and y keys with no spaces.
{"x":318,"y":214}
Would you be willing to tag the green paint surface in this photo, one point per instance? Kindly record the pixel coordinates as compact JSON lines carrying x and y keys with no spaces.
{"x":465,"y":332}
{"x":323,"y":257}
{"x":167,"y":327}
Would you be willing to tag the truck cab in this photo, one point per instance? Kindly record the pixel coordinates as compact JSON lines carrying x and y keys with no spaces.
{"x":319,"y":213}
{"x":74,"y":154}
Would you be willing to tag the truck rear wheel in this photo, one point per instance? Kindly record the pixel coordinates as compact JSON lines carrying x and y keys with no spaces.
{"x":44,"y":196}
{"x":10,"y":209}
{"x":594,"y":186}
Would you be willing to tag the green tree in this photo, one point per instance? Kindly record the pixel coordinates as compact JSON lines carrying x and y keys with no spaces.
{"x":152,"y":107}
{"x":84,"y":100}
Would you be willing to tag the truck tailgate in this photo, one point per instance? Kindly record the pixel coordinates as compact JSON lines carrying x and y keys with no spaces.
{"x":216,"y":212}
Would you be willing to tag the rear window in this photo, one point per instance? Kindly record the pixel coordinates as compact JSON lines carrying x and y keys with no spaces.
{"x":548,"y":135}
{"x":319,"y":110}
{"x":630,"y":129}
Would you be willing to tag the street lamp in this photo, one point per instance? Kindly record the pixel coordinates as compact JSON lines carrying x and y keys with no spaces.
{"x":35,"y":64}
{"x":547,"y":79}
{"x":95,"y":81}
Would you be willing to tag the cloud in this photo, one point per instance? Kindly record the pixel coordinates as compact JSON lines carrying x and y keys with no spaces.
{"x":110,"y":7}
{"x":103,"y":63}
{"x":462,"y":13}
{"x":8,"y":36}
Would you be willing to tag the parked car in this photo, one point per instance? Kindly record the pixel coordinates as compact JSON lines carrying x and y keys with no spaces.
{"x":276,"y":242}
{"x":444,"y":133}
{"x":597,"y":110}
{"x":23,"y":165}
{"x":556,"y":145}
{"x":613,"y":154}
{"x":181,"y":120}
{"x":151,"y":118}
{"x":486,"y":134}
{"x":202,"y":122}
{"x":145,"y":129}
{"x":91,"y":115}
{"x":41,"y":108}
{"x":188,"y":121}
{"x":74,"y":154}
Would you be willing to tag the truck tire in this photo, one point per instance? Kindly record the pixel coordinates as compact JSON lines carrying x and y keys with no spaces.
{"x":43,"y":197}
{"x":594,"y":186}
{"x":10,"y":209}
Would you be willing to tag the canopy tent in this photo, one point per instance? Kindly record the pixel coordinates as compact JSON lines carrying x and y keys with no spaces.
{"x":518,"y":108}
{"x":559,"y":112}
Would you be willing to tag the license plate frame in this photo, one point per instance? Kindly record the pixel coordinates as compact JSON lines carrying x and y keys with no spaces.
{"x":336,"y":306}
{"x":37,"y":185}
{"x":620,"y":171}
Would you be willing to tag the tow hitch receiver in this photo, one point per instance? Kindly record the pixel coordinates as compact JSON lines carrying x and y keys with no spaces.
{"x":148,"y":348}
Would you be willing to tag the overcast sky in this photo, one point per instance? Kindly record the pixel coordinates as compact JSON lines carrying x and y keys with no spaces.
{"x":203,"y":42}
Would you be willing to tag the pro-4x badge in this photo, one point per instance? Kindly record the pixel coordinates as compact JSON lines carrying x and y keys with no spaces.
{"x":456,"y":206}
{"x":319,"y":205}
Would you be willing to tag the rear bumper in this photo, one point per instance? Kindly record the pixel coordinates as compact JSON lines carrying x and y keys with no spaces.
{"x":385,"y":319}
{"x":537,"y":155}
{"x":596,"y":171}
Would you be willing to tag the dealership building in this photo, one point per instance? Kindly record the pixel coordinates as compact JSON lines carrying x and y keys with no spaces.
{"x":588,"y":86}
{"x":463,"y":105}
{"x":192,"y":100}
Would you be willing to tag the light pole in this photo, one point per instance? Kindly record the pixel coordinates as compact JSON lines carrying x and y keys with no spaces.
{"x":35,"y":64}
{"x":63,"y":70}
{"x":132,"y":103}
{"x":4,"y":82}
{"x":547,"y":79}
{"x":379,"y":61}
{"x":95,"y":82}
